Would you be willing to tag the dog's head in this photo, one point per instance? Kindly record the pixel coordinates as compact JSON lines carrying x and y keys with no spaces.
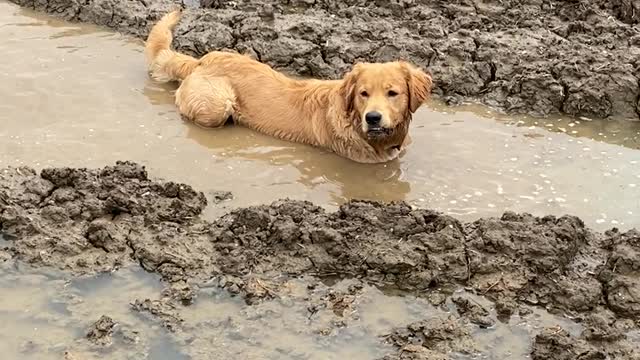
{"x":380,"y":98}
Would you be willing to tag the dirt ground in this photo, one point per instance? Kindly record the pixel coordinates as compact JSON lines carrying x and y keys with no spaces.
{"x":537,"y":57}
{"x":87,"y":221}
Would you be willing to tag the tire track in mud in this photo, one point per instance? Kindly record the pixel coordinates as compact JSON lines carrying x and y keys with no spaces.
{"x":538,"y":57}
{"x":87,"y":221}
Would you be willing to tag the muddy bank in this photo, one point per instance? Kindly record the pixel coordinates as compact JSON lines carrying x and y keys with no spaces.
{"x":87,"y":221}
{"x":537,"y":57}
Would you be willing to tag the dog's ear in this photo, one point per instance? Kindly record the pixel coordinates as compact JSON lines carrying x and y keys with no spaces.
{"x":348,"y":88}
{"x":419,"y":84}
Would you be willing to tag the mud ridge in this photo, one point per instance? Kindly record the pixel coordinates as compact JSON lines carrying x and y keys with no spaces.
{"x":537,"y":57}
{"x":87,"y":221}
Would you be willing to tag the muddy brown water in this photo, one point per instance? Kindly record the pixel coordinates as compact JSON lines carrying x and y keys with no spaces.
{"x":76,"y":95}
{"x":50,"y":313}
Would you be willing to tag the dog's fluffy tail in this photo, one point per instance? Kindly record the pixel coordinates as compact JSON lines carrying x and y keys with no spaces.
{"x":163,"y":63}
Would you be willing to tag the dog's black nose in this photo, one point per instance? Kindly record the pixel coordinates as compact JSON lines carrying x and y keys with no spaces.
{"x":373,"y":118}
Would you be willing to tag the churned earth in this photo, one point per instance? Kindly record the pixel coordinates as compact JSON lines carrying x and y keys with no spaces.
{"x":97,"y":221}
{"x":537,"y":56}
{"x":111,"y":262}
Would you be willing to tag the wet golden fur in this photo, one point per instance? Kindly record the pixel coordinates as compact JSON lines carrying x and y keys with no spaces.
{"x":324,"y":113}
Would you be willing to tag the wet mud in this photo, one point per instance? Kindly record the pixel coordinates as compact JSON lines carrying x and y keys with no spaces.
{"x":101,"y":331}
{"x":92,"y":221}
{"x":537,"y":57}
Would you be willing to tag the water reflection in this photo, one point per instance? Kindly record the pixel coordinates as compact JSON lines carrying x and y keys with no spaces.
{"x":316,"y":167}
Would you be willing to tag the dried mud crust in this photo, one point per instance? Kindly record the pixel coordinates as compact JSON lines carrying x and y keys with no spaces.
{"x":94,"y":220}
{"x":537,"y":56}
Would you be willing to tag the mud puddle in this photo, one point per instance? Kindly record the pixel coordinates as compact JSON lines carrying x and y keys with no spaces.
{"x":97,"y":222}
{"x":80,"y":97}
{"x":52,"y":314}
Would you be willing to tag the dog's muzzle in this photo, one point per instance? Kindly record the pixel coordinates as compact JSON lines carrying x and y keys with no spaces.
{"x":378,"y":132}
{"x":375,"y":130}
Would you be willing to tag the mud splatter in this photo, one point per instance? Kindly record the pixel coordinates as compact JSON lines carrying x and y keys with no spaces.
{"x":536,"y":57}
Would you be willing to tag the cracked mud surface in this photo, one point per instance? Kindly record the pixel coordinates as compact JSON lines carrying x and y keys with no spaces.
{"x":538,"y":56}
{"x":88,"y":221}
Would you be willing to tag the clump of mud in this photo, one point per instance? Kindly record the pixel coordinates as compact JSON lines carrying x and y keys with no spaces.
{"x":432,"y":339}
{"x":97,"y":220}
{"x":85,"y":220}
{"x":537,"y":56}
{"x":101,"y":331}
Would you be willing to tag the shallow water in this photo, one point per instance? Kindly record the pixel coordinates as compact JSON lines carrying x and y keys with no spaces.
{"x":51,"y":314}
{"x":76,"y":95}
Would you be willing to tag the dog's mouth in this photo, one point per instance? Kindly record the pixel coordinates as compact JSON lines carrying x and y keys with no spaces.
{"x":378,"y":132}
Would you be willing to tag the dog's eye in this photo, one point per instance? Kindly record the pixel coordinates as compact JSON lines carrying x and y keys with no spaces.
{"x":364,"y":93}
{"x":392,"y":93}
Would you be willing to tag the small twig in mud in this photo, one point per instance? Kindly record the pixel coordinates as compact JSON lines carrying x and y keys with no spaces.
{"x":600,"y":67}
{"x":176,"y":256}
{"x":475,"y":302}
{"x":558,"y":330}
{"x":199,"y":232}
{"x":468,"y":260}
{"x":312,"y":312}
{"x":330,"y":273}
{"x":366,"y":256}
{"x":312,"y":262}
{"x":269,"y":292}
{"x":493,"y":285}
{"x":318,"y":274}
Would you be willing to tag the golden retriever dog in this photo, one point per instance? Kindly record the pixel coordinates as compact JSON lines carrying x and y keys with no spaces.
{"x":365,"y":116}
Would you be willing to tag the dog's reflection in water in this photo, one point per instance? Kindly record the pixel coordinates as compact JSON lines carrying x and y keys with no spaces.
{"x":383,"y":182}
